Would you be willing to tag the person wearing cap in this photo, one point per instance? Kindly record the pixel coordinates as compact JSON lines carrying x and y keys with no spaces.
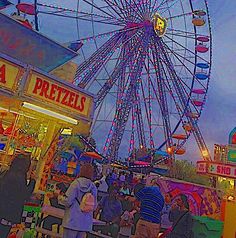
{"x":110,"y":209}
{"x":181,"y":218}
{"x":152,"y":203}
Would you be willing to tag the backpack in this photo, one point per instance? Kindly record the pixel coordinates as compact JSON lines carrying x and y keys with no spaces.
{"x":87,"y":203}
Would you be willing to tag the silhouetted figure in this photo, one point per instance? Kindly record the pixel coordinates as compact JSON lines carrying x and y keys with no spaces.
{"x":14,"y":192}
{"x":181,"y":218}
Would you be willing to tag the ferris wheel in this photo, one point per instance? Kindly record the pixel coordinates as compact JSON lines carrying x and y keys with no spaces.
{"x":148,"y":62}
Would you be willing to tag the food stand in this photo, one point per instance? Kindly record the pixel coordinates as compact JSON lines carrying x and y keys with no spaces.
{"x":35,"y":108}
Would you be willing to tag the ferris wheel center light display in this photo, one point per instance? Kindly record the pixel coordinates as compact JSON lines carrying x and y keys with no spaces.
{"x":159,"y":24}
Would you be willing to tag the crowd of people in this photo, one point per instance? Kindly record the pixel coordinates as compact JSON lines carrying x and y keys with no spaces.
{"x":126,"y":205}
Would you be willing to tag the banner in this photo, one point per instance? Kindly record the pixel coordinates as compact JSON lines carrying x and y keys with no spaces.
{"x":30,"y":47}
{"x":203,"y":201}
{"x":9,"y":75}
{"x":217,"y":169}
{"x":57,"y":93}
{"x":223,"y":170}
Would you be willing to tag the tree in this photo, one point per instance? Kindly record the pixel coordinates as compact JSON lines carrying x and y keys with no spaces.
{"x":184,"y":170}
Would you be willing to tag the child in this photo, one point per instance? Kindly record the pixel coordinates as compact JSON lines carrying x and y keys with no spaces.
{"x":127,"y":221}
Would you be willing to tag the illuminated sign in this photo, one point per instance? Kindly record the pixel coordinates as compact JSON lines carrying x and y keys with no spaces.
{"x":222,"y":170}
{"x":9,"y":75}
{"x":30,"y":47}
{"x":202,"y":167}
{"x":56,"y":93}
{"x":232,"y":146}
{"x":160,"y":25}
{"x":217,"y":169}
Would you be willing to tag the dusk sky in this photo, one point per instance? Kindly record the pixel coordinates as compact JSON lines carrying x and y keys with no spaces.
{"x":219,"y":114}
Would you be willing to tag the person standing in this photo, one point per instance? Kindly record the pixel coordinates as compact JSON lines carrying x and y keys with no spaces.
{"x":122,"y":177}
{"x":78,"y":199}
{"x":111,"y":211}
{"x":152,"y":203}
{"x":165,"y":221}
{"x":124,"y":189}
{"x":181,"y":218}
{"x":15,"y":190}
{"x":127,"y":221}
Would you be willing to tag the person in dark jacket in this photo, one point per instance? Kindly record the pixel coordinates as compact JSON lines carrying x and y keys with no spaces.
{"x":181,"y":218}
{"x":14,"y":192}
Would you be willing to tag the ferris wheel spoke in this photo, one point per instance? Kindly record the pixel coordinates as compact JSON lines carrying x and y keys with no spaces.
{"x":177,"y":103}
{"x":147,"y":68}
{"x":113,"y":6}
{"x":96,"y":68}
{"x":168,"y":87}
{"x":145,"y":4}
{"x":148,"y":115}
{"x":98,"y":123}
{"x":116,"y":74}
{"x":147,"y":111}
{"x":103,"y":51}
{"x":175,"y":79}
{"x":123,"y":112}
{"x":98,"y":8}
{"x":137,"y":8}
{"x":182,"y":32}
{"x":118,"y":71}
{"x":169,"y":6}
{"x":88,"y":74}
{"x":170,"y":77}
{"x":134,"y":15}
{"x":163,"y":2}
{"x":78,"y":13}
{"x":181,"y":83}
{"x":174,"y":52}
{"x":162,"y":94}
{"x":140,"y":124}
{"x":133,"y":12}
{"x":177,"y":56}
{"x":184,"y":36}
{"x":124,"y":6}
{"x":168,"y":140}
{"x":126,"y":10}
{"x":93,"y":58}
{"x":180,"y":15}
{"x":190,"y":51}
{"x":89,"y":19}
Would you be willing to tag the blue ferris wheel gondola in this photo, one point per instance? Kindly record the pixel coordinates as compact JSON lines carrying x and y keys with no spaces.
{"x":162,"y":153}
{"x":203,"y":65}
{"x":201,"y":75}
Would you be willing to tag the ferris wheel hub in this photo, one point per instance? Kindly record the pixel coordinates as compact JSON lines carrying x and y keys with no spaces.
{"x":159,"y":24}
